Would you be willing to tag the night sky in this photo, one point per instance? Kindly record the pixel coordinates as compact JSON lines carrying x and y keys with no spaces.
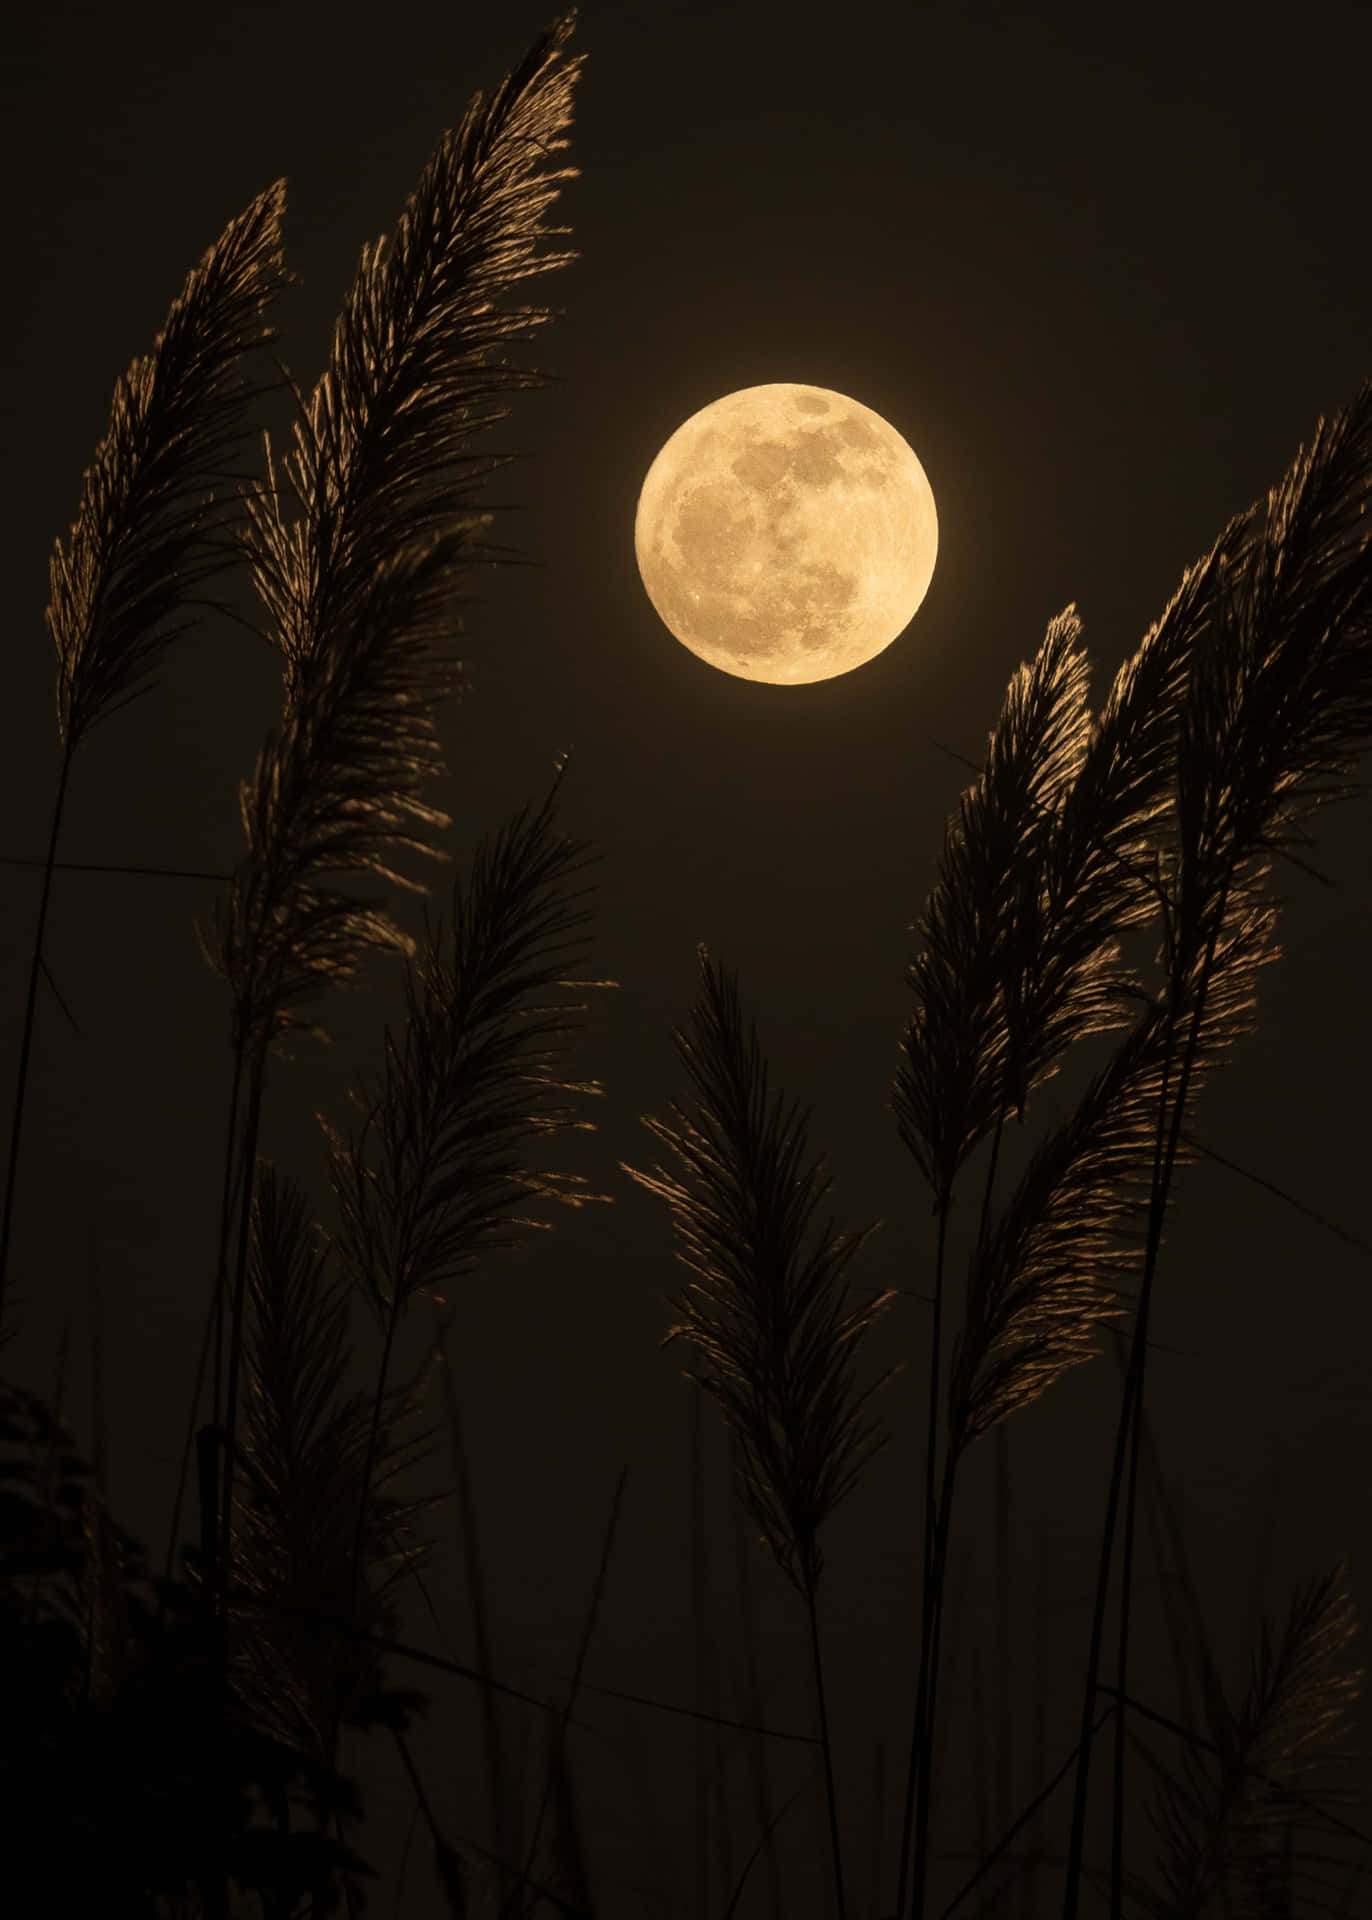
{"x":1103,"y":269}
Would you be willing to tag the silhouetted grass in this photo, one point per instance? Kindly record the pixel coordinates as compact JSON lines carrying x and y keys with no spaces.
{"x":170,"y":1746}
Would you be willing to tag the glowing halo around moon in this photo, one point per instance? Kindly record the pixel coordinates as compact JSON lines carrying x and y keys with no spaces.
{"x":786,"y":533}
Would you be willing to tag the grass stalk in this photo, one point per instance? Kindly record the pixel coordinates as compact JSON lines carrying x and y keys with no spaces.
{"x":927,"y":1575}
{"x":981,"y":1768}
{"x":555,"y":1772}
{"x":1005,"y":1748}
{"x":501,"y":1812}
{"x":26,"y":1037}
{"x":1162,"y":1170}
{"x":700,"y":1785}
{"x":227,"y":1415}
{"x":752,"y":1690}
{"x":831,"y":1795}
{"x":929,"y":1699}
{"x":936,"y":1527}
{"x":208,"y":1436}
{"x":878,"y":1804}
{"x":1031,"y":1812}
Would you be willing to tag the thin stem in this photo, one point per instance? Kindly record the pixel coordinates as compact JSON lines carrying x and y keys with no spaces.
{"x":999,"y":1849}
{"x":228,"y":1418}
{"x":912,"y":1769}
{"x":1122,"y":1675}
{"x":103,"y":866}
{"x":397,"y":1295}
{"x":700,"y":1648}
{"x":926,"y":1767}
{"x":1003,"y":1757}
{"x":828,"y":1750}
{"x":506,"y":1843}
{"x":222,"y":1429}
{"x":213,"y":1316}
{"x":30,"y":1004}
{"x":371,"y":1451}
{"x":752,"y":1691}
{"x":919,"y":1746}
{"x":1162,"y":1174}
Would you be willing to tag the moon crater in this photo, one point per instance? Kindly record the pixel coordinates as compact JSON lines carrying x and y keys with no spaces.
{"x":786,"y":533}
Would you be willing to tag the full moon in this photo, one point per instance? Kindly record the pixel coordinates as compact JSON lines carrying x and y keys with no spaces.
{"x":786,"y":533}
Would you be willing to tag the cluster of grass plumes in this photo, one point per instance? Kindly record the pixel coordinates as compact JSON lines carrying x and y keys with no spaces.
{"x":164,"y":1738}
{"x":359,"y":546}
{"x":1244,"y":705}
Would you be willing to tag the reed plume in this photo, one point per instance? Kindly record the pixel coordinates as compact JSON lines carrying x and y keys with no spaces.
{"x":360,"y":585}
{"x":1278,"y":702}
{"x":449,"y":1156}
{"x":149,"y":531}
{"x":1227,"y":1820}
{"x":766,"y":1314}
{"x":305,"y":1448}
{"x":441,"y":1170}
{"x":1058,"y":851}
{"x":1020,"y":958}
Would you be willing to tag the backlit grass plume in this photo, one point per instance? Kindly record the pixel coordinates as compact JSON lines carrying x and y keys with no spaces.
{"x":443,"y":1167}
{"x":1277,"y":706}
{"x":309,"y":1450}
{"x":361,"y":584}
{"x":1161,"y":810}
{"x":385,"y":450}
{"x":450,"y":1155}
{"x":766,"y":1310}
{"x":149,"y":530}
{"x":1020,"y":959}
{"x":1227,"y":1819}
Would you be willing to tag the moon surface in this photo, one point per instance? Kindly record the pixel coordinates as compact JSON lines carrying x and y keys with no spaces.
{"x":786,"y":533}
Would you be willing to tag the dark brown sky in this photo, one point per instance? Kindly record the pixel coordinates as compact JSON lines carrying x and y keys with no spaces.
{"x":1103,"y":269}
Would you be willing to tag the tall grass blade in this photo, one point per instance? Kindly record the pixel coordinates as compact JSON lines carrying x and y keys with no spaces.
{"x":385,"y":451}
{"x":148,"y":530}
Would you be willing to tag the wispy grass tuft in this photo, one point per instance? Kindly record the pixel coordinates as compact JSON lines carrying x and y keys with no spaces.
{"x":766,"y":1314}
{"x":1278,"y":703}
{"x":450,"y":1154}
{"x":306,"y":1447}
{"x":1066,"y":841}
{"x":361,"y":583}
{"x":473,"y":1082}
{"x":149,"y":530}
